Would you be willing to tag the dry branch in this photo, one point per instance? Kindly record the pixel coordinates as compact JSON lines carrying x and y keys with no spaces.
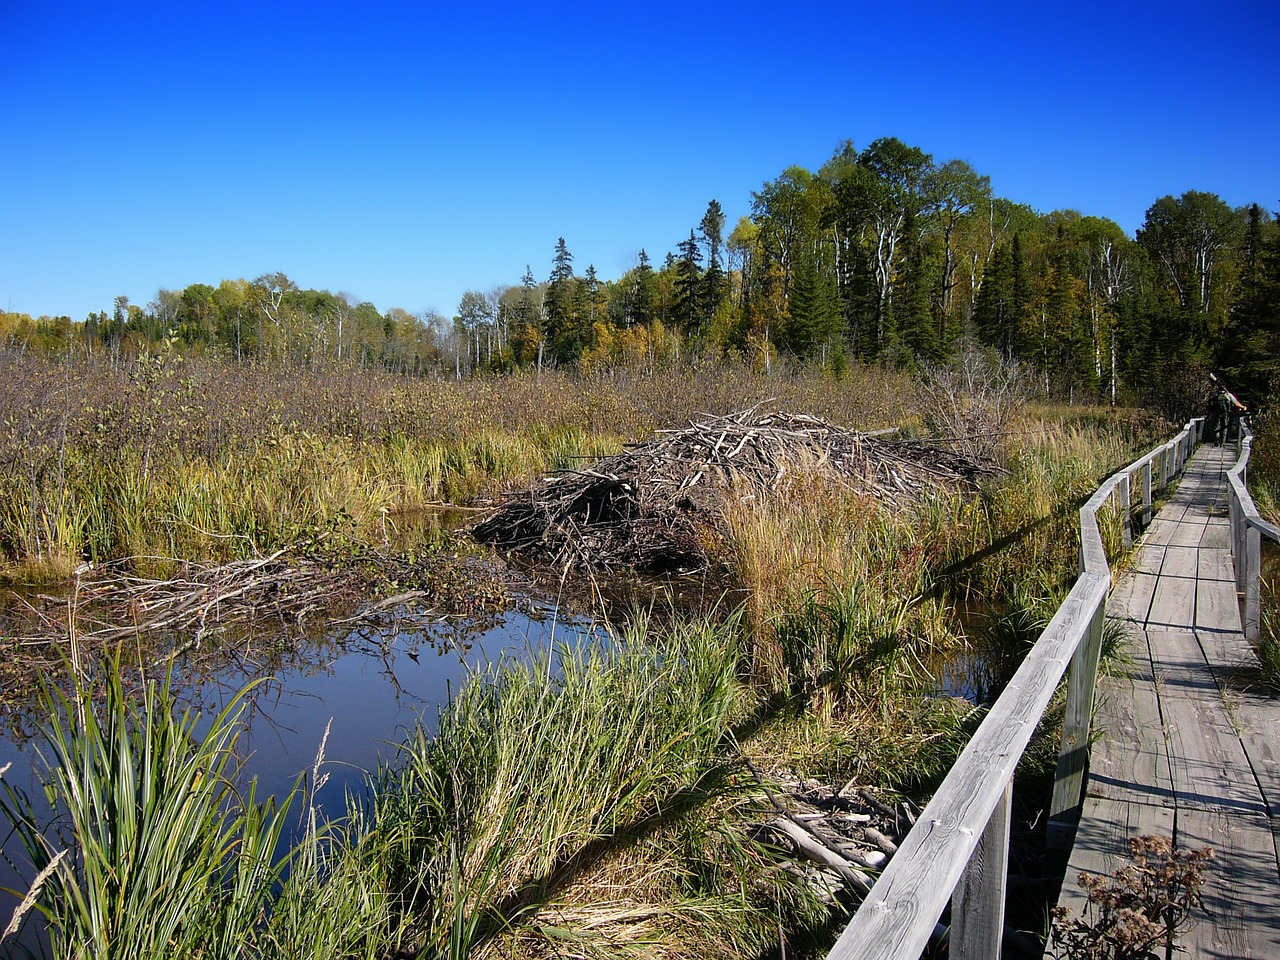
{"x":650,"y":505}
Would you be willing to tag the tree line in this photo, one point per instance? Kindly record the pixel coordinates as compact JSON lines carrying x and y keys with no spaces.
{"x":882,"y":255}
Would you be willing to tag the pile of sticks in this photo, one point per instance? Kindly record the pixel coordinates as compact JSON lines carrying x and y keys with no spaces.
{"x":286,"y":593}
{"x":650,"y":506}
{"x":840,"y":836}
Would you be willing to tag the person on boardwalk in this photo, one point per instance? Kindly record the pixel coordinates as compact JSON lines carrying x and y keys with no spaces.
{"x":1219,"y":412}
{"x":1224,"y":413}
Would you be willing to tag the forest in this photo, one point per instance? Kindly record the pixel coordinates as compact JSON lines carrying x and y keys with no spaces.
{"x":883,"y":255}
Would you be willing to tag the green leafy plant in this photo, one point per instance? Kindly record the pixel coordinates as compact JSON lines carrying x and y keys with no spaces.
{"x":167,"y":857}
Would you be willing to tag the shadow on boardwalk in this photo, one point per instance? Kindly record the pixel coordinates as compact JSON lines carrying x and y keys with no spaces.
{"x":1188,"y":747}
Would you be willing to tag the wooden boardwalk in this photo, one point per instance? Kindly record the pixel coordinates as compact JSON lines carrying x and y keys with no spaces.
{"x":1187,"y":748}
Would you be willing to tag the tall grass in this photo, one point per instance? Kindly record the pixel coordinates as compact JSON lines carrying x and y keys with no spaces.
{"x":199,"y":460}
{"x":167,"y":857}
{"x":540,"y":760}
{"x":516,"y":827}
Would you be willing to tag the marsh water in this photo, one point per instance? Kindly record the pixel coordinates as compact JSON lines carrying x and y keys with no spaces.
{"x":359,"y":692}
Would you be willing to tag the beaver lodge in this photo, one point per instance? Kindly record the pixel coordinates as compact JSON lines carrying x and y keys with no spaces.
{"x":650,"y":506}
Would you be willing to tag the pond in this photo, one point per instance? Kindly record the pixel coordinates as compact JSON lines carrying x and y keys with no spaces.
{"x":357,"y":693}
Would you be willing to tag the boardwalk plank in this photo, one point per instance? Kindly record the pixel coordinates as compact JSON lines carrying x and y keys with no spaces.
{"x":1130,"y":762}
{"x":1173,"y":604}
{"x":1215,"y":564}
{"x":1131,"y":598}
{"x":1102,"y":841}
{"x":1161,"y":531}
{"x":1216,"y":536}
{"x":1180,"y":561}
{"x":1216,"y":606}
{"x":1207,"y":761}
{"x":1149,"y":558}
{"x":1188,"y":534}
{"x":1241,"y":900}
{"x":1259,"y":726}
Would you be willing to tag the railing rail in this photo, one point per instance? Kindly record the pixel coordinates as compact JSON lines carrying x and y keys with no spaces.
{"x":1247,"y":530}
{"x":959,"y":847}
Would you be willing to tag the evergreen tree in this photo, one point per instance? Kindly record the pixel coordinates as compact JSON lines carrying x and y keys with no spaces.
{"x":712,"y":229}
{"x":689,"y":314}
{"x":1249,"y":355}
{"x":563,"y":330}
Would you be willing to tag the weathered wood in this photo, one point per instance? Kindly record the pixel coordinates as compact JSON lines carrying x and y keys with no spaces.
{"x":1180,"y":560}
{"x":1241,"y":905}
{"x":1068,"y":782}
{"x":809,"y":846}
{"x":1214,"y":563}
{"x":1102,"y":841}
{"x":1147,"y":500}
{"x":1131,"y":599}
{"x":1217,"y":534}
{"x":977,"y":906}
{"x":1207,"y":760}
{"x":1188,"y":534}
{"x":1247,"y":530}
{"x":1161,"y":530}
{"x":1124,"y":492}
{"x":1173,"y":604}
{"x":898,"y":916}
{"x":1130,"y":761}
{"x":1252,"y":562}
{"x":1216,"y":607}
{"x":1148,"y":559}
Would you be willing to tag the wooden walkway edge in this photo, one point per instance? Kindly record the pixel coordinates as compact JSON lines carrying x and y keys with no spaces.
{"x":1188,"y":747}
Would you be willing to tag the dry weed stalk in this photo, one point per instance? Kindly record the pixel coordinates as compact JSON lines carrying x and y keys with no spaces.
{"x":1136,"y":910}
{"x":33,"y":895}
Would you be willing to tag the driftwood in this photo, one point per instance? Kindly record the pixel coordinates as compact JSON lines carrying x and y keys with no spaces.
{"x":651,"y":505}
{"x":840,"y":833}
{"x":288,"y":592}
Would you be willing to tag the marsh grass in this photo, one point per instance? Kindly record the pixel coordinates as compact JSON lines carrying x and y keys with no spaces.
{"x":836,"y":590}
{"x":582,"y":799}
{"x":547,"y":778}
{"x":167,"y":856}
{"x":540,"y":760}
{"x":195,"y":459}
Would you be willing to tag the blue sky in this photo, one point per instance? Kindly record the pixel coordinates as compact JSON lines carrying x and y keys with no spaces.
{"x":407,"y":152}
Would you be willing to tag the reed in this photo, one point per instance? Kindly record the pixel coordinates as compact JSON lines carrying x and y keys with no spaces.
{"x":189,"y":458}
{"x":540,"y":759}
{"x":168,"y":857}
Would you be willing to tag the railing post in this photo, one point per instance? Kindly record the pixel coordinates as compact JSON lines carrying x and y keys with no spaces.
{"x":1236,"y":511}
{"x":1068,"y":781}
{"x":977,"y":905}
{"x":1126,"y":506}
{"x":1147,"y":500}
{"x":1251,"y":562}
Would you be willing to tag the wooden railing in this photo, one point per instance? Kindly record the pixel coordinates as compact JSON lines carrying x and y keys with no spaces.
{"x":959,"y":847}
{"x":1247,"y":531}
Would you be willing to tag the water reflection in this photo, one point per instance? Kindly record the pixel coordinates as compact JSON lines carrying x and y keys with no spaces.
{"x":364,"y":688}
